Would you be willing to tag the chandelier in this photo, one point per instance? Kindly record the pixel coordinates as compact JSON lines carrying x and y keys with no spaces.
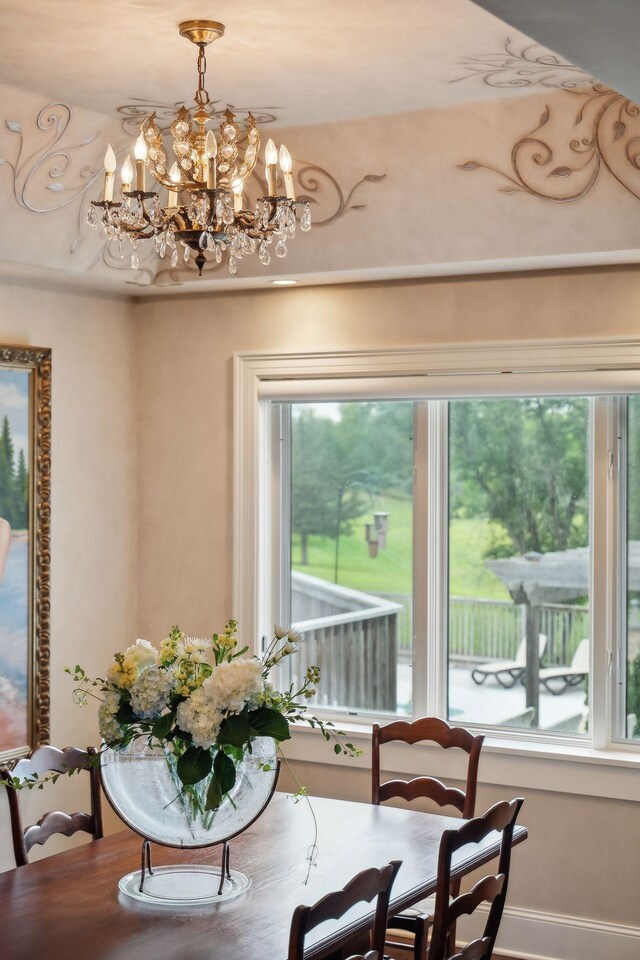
{"x":203,"y":211}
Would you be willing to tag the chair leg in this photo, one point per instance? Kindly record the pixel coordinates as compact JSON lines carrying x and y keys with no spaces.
{"x":420,"y":941}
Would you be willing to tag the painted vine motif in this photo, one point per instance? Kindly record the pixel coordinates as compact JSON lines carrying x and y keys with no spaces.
{"x":562,"y":157}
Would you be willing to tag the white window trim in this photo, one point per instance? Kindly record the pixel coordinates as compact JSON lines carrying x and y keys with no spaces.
{"x":593,"y":367}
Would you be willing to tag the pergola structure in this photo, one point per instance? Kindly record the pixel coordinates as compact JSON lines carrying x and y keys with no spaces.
{"x":538,"y":578}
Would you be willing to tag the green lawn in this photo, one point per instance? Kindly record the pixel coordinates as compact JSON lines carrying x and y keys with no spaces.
{"x":391,"y":571}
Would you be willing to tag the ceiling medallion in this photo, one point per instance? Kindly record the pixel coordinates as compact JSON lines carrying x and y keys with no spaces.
{"x":204,"y":210}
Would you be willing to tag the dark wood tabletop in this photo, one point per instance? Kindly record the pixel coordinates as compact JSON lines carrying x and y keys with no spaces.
{"x":68,"y":905}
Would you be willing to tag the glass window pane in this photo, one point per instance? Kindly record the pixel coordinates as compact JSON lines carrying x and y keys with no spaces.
{"x":631,"y":718}
{"x":352,"y":551}
{"x":519,"y":563}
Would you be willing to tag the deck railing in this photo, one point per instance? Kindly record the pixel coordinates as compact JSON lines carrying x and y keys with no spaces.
{"x":358,"y":639}
{"x":493,"y":629}
{"x":353,"y":638}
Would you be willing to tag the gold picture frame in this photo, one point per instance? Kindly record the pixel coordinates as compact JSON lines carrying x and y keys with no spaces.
{"x":25,"y":472}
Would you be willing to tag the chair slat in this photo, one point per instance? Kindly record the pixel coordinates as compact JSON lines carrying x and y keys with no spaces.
{"x":364,"y":887}
{"x":484,"y":891}
{"x":41,"y":761}
{"x":428,"y":788}
{"x":57,"y":822}
{"x":428,"y":728}
{"x":476,"y":950}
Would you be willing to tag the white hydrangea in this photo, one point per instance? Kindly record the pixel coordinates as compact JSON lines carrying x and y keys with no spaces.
{"x":200,"y":717}
{"x":110,"y":729}
{"x":233,"y":683}
{"x":150,"y":692}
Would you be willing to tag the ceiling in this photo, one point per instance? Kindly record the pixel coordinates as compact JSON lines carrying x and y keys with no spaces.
{"x":602,"y":36}
{"x":450,"y":108}
{"x":311,"y":62}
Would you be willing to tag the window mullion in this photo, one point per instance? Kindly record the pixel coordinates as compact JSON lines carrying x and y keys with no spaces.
{"x":420,"y":620}
{"x":437,"y":557}
{"x":276,"y":607}
{"x":604,"y":566}
{"x":617,"y":680}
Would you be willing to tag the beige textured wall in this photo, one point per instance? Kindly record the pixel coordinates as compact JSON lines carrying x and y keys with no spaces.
{"x":185,"y":382}
{"x":185,"y":349}
{"x":93,"y":511}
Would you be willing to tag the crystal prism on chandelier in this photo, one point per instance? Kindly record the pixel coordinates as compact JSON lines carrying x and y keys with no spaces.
{"x":204,"y":210}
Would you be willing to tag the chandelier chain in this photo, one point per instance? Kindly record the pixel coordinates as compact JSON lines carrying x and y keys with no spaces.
{"x":202,"y":97}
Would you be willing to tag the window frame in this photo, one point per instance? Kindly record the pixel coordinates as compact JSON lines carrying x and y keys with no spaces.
{"x":599,"y":368}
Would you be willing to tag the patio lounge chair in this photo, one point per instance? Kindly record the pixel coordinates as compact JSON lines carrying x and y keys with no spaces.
{"x":567,"y":676}
{"x":507,"y":672}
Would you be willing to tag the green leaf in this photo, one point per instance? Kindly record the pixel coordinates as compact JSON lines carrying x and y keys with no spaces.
{"x":125,"y":714}
{"x":224,"y":771}
{"x":182,"y":735}
{"x":267,"y":722}
{"x":235,"y":731}
{"x":337,"y":748}
{"x":214,"y":795}
{"x":194,"y":765}
{"x":162,"y":726}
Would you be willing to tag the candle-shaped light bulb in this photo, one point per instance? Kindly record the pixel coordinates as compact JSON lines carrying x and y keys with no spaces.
{"x":174,"y":176}
{"x":271,"y":153}
{"x":236,"y":187}
{"x":211,"y":145}
{"x":271,"y":161}
{"x":286,"y":165}
{"x":140,"y":148}
{"x":140,"y":153}
{"x":211,"y":149}
{"x":126,"y":175}
{"x":109,"y":173}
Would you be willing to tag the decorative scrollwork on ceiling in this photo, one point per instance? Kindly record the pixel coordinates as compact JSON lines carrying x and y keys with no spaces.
{"x":524,"y":66}
{"x":54,"y":165}
{"x":593,"y":131}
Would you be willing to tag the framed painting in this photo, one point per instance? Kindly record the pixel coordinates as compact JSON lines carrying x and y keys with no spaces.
{"x":25,"y":515}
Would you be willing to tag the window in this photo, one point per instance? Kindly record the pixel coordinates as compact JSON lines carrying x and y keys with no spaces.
{"x":458,"y":543}
{"x":351,"y":546}
{"x":519,"y":563}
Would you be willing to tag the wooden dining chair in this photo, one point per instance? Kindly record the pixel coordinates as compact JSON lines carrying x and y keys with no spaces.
{"x":491,"y":889}
{"x":418,"y":919}
{"x":42,"y":761}
{"x":364,"y":887}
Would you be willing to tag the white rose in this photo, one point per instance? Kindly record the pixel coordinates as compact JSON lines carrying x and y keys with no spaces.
{"x":140,"y":655}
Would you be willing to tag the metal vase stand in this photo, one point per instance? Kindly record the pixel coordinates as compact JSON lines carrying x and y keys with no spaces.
{"x":187,"y":885}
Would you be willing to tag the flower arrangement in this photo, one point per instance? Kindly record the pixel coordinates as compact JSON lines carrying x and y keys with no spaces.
{"x":203,"y":701}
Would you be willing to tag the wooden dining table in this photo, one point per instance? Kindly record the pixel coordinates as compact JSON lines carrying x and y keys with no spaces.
{"x":69,"y":906}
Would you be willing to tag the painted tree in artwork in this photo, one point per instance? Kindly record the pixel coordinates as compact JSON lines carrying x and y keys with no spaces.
{"x":22,"y":492}
{"x":14,"y":481}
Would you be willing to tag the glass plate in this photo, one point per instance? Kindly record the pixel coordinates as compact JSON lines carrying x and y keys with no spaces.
{"x":186,"y":885}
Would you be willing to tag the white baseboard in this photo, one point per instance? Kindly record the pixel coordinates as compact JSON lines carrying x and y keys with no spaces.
{"x":528,"y":935}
